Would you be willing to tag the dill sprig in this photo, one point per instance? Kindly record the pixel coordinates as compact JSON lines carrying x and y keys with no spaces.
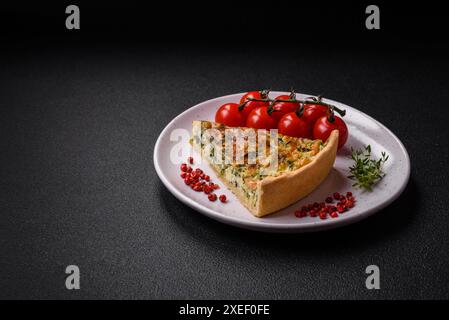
{"x":366,"y":171}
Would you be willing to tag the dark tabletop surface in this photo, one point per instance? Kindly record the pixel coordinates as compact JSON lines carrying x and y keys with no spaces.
{"x":79,"y":120}
{"x":78,"y":184}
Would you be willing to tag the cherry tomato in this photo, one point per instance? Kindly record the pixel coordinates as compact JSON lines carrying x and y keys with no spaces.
{"x":251,"y":105}
{"x":312,"y":112}
{"x":229,"y":115}
{"x":323,"y":128}
{"x":294,"y":126}
{"x":282,"y":108}
{"x":260,"y":119}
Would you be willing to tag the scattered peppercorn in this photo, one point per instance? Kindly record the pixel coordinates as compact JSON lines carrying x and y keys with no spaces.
{"x":207,"y":189}
{"x":198,"y":181}
{"x":322,"y":210}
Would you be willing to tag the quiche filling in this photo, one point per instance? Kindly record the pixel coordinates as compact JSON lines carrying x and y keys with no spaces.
{"x":243,"y":175}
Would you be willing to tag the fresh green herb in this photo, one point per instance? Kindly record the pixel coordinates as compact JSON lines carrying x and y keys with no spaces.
{"x":366,"y":171}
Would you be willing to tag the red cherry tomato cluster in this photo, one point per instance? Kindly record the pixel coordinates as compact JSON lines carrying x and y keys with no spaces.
{"x":311,"y":118}
{"x":199,"y":181}
{"x":250,"y":104}
{"x":282,"y":108}
{"x":327,"y":208}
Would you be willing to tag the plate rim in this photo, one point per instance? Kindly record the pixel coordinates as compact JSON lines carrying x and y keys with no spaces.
{"x":279,"y":227}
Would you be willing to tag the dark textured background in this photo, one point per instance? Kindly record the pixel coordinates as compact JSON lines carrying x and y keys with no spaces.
{"x":79,"y":116}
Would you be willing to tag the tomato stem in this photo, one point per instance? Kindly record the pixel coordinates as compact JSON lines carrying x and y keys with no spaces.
{"x":331,"y":117}
{"x":292,"y":94}
{"x":243,"y":105}
{"x":310,"y":100}
{"x":300,"y":110}
{"x":264,"y":93}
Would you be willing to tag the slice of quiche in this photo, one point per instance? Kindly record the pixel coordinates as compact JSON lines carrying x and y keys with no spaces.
{"x":266,"y":171}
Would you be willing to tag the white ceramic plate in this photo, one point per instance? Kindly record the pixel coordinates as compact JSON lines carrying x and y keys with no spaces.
{"x":363,"y":130}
